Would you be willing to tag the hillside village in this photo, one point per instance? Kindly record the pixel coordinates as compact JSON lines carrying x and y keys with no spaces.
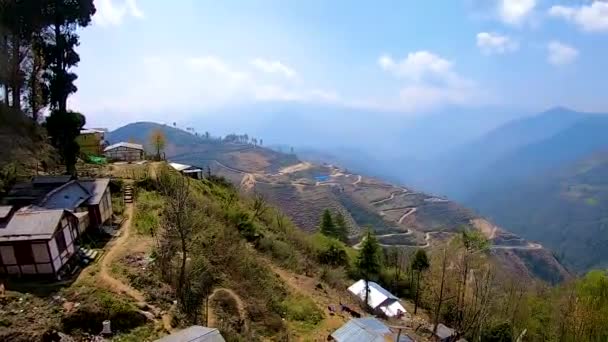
{"x":150,"y":232}
{"x":111,"y":219}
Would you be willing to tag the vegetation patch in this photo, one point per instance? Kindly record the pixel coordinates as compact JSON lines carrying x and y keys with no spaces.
{"x":147,"y":210}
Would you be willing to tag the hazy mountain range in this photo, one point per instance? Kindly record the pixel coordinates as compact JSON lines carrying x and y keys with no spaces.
{"x":540,"y":176}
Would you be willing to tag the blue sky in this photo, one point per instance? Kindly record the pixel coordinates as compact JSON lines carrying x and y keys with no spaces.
{"x":164,"y":61}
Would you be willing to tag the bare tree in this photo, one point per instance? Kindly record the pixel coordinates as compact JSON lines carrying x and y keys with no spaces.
{"x":440,"y":296}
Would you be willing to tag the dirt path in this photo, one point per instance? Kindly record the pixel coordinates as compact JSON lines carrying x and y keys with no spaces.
{"x":529,"y":246}
{"x":393,"y":194}
{"x":408,"y":213}
{"x":409,"y":232}
{"x":248,"y":182}
{"x":212,"y":319}
{"x":295,"y":168}
{"x":359,"y":178}
{"x":323,"y":296}
{"x":119,"y":247}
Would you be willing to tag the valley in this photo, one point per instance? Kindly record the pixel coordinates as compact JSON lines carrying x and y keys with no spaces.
{"x":400,"y":217}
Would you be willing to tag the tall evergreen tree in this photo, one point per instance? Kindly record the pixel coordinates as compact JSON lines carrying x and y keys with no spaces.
{"x":342,"y":227}
{"x":420,"y":263}
{"x":327,"y":226}
{"x":368,"y":261}
{"x":64,"y":17}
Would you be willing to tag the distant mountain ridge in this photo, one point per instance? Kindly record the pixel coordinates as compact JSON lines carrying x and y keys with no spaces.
{"x":139,"y":132}
{"x":516,"y":175}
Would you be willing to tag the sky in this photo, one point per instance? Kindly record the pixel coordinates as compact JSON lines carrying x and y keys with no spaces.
{"x":177,"y":60}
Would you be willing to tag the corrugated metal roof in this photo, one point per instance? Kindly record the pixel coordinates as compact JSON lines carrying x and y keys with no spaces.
{"x":5,"y":210}
{"x":96,"y":187}
{"x":28,"y":224}
{"x":179,"y":167}
{"x":67,"y":196}
{"x":195,"y":333}
{"x":367,"y":329}
{"x":91,"y":131}
{"x":377,"y":294}
{"x":124,"y":144}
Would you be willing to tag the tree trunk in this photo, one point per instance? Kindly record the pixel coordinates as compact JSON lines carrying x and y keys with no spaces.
{"x":366,"y":293}
{"x":15,"y":73}
{"x":440,"y":299}
{"x":417,"y":292}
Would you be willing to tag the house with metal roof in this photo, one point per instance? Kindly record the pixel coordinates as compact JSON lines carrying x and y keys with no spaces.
{"x":37,"y":241}
{"x":378,"y":298}
{"x":91,"y":141}
{"x":124,"y":151}
{"x":43,"y":219}
{"x":367,"y":329}
{"x":195,"y":333}
{"x":188,"y":170}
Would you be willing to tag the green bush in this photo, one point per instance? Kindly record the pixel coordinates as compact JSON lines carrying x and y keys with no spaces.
{"x":301,"y":309}
{"x":335,"y":277}
{"x":148,"y":206}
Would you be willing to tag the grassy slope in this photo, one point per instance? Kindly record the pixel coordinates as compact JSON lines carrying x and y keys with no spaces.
{"x":257,"y":258}
{"x":24,"y":147}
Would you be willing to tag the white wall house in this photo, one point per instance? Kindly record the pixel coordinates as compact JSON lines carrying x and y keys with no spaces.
{"x":37,"y":242}
{"x":378,"y":298}
{"x":124,"y":151}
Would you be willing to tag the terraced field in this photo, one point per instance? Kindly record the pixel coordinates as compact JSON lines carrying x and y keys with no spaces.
{"x":400,"y":217}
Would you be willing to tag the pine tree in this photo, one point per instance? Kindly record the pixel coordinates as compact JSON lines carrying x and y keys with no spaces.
{"x":342,"y":227}
{"x":368,"y":261}
{"x":327,"y":226}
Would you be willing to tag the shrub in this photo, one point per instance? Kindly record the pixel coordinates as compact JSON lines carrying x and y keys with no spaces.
{"x":301,"y":309}
{"x":335,"y":277}
{"x":333,"y":254}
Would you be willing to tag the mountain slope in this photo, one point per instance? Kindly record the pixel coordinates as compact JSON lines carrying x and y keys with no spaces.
{"x":457,"y":172}
{"x":565,"y":209}
{"x":182,"y":146}
{"x":400,"y":216}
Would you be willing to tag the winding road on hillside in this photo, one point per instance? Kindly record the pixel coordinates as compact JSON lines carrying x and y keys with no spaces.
{"x":392,"y":196}
{"x":529,"y":246}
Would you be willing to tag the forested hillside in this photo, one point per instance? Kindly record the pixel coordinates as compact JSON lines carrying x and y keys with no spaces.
{"x":565,"y":208}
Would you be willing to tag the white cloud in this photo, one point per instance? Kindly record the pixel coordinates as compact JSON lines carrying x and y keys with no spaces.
{"x":110,"y":13}
{"x":181,"y":84}
{"x":417,"y":65}
{"x":590,"y":18}
{"x":493,"y":43}
{"x":274,"y":67}
{"x":561,"y":54}
{"x":514,"y":12}
{"x":429,"y":81}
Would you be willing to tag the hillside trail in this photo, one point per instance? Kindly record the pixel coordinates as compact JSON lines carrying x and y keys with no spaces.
{"x":212,"y":319}
{"x":322,"y":295}
{"x":119,"y":247}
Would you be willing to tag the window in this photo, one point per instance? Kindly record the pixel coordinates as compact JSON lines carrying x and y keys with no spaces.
{"x":23,"y":253}
{"x":60,"y":240}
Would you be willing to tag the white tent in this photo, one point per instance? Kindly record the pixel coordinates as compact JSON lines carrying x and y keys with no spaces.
{"x":378,"y":299}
